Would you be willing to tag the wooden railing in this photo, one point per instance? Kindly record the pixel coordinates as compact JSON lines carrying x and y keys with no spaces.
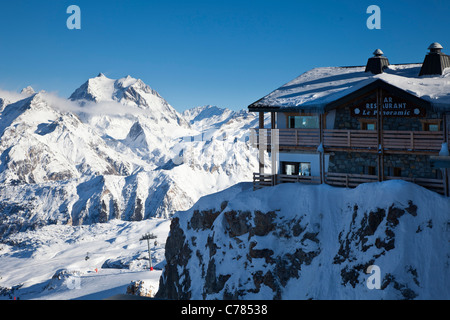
{"x":348,"y":180}
{"x":263,"y":180}
{"x":413,"y":140}
{"x":283,"y":178}
{"x":299,"y":137}
{"x":341,"y":180}
{"x":288,"y":137}
{"x":350,"y":139}
{"x":354,"y":139}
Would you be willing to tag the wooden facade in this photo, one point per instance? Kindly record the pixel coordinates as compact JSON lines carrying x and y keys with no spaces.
{"x":376,"y":133}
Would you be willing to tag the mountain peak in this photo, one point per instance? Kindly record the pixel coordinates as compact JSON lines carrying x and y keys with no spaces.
{"x":208,"y":112}
{"x":28,"y":91}
{"x":128,"y":81}
{"x":130,"y":92}
{"x":99,"y":88}
{"x":104,"y":89}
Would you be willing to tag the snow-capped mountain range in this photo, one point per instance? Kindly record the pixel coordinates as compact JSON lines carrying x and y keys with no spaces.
{"x":117,"y":152}
{"x":114,"y":150}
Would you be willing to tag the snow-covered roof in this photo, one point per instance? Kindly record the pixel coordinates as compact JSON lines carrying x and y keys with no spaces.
{"x":318,"y":87}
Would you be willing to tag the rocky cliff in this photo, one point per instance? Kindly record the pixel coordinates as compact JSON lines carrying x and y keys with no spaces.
{"x":379,"y":241}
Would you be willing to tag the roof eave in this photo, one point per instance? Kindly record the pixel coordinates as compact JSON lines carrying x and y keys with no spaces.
{"x":304,"y":108}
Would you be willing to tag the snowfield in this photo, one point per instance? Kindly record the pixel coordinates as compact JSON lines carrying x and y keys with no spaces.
{"x":60,"y":262}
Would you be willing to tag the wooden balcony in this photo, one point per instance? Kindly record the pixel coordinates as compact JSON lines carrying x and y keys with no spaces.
{"x":353,"y":140}
{"x":341,"y":180}
{"x":264,"y":180}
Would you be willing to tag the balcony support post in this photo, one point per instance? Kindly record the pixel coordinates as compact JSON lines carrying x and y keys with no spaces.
{"x":273,"y":120}
{"x":445,"y":175}
{"x":274,"y":152}
{"x":380,"y":166}
{"x":322,"y":150}
{"x":261,"y":120}
{"x":262,"y":142}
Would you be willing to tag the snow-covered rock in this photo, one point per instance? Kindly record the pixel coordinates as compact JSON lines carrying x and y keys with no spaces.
{"x":142,"y":288}
{"x":296,"y":241}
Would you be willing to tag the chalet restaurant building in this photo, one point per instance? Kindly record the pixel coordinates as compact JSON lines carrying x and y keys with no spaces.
{"x":350,"y":125}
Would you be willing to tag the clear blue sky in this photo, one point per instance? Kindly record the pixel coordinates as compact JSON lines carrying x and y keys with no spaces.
{"x":226,"y":53}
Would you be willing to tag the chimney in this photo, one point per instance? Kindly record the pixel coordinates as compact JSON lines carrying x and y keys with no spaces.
{"x":435,"y":61}
{"x":377,"y":63}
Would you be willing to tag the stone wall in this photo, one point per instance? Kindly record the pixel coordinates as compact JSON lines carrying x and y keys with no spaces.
{"x":412,"y":166}
{"x":344,"y":120}
{"x":351,"y":162}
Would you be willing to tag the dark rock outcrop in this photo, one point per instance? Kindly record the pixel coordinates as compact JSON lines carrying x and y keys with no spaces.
{"x":312,"y":251}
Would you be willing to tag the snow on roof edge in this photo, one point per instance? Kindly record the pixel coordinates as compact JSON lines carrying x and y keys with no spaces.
{"x":308,"y":91}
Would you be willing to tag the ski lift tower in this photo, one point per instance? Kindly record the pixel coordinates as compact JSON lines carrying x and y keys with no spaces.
{"x":148,"y":237}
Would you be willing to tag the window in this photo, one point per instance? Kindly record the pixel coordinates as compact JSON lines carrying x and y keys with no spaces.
{"x":305,"y":169}
{"x":296,"y":168}
{"x":290,"y":169}
{"x":431,"y":125}
{"x":437,"y":174}
{"x":303,"y":122}
{"x":368,"y":124}
{"x":369,"y":170}
{"x":393,"y":172}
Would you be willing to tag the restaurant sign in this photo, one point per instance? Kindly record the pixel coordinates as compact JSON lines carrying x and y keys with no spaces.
{"x":392,"y":107}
